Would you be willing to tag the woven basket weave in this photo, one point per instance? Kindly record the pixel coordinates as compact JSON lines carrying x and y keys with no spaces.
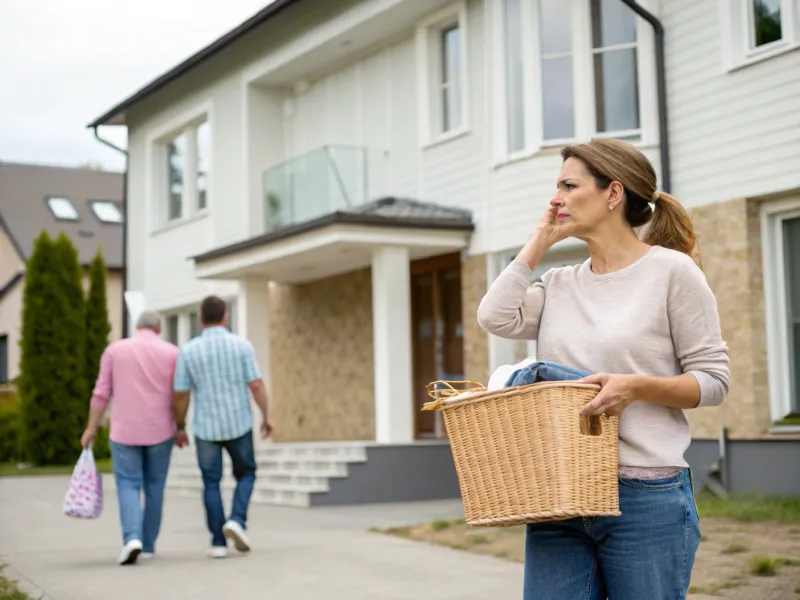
{"x":525,"y":455}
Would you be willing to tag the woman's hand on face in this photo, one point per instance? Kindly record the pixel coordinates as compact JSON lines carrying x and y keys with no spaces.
{"x":548,"y":229}
{"x":617,"y":392}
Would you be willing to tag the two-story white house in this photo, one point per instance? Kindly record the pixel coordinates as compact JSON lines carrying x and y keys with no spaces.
{"x":351,"y":176}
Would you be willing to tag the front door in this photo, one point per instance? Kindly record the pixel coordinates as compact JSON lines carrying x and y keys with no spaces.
{"x":437,"y":337}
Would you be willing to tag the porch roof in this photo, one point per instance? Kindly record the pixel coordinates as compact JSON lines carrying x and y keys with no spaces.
{"x":341,"y":241}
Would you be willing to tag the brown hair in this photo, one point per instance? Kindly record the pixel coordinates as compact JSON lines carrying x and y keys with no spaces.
{"x":610,"y":160}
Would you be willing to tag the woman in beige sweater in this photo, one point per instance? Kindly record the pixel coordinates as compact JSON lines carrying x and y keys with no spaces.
{"x":639,"y":315}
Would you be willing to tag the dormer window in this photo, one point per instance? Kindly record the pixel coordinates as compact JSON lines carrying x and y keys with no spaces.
{"x":62,"y":209}
{"x":107,"y":212}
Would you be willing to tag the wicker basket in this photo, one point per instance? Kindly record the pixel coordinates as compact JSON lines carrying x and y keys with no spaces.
{"x":525,"y":455}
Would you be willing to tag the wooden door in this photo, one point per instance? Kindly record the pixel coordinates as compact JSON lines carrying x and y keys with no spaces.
{"x":437,"y":340}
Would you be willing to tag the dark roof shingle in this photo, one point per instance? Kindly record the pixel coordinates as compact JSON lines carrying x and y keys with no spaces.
{"x":24,"y":190}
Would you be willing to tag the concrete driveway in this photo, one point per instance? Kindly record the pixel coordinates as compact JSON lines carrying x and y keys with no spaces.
{"x":298,"y":554}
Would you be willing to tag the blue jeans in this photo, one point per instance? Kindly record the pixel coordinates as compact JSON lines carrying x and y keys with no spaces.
{"x":544,"y":371}
{"x":136,"y":467}
{"x":209,"y":457}
{"x":648,"y":552}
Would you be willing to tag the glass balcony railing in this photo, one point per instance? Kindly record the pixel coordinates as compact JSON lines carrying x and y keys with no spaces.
{"x":321,"y":182}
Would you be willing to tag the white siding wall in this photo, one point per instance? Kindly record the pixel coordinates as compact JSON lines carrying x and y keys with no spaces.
{"x":734,"y":134}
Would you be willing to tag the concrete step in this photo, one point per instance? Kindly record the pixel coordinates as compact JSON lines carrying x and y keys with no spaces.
{"x":288,"y":474}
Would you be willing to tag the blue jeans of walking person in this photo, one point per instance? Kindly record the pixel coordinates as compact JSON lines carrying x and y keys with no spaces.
{"x":209,"y":457}
{"x":138,"y":469}
{"x":648,"y":552}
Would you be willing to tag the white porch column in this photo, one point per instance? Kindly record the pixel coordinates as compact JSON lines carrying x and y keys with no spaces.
{"x":391,"y":324}
{"x":253,"y":321}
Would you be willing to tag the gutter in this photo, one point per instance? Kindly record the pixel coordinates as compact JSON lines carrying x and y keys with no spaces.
{"x":124,"y":229}
{"x":661,"y":86}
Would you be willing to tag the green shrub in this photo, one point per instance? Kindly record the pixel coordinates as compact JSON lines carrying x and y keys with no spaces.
{"x":97,"y":331}
{"x":52,"y":382}
{"x":10,"y":430}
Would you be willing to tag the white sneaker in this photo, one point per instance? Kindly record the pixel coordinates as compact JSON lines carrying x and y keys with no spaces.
{"x":146,"y":555}
{"x":130,"y":552}
{"x":218,"y":552}
{"x":234,"y":532}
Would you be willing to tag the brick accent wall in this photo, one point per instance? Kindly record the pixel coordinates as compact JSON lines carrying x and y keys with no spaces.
{"x":476,"y":343}
{"x":729,"y":236}
{"x":322,"y":361}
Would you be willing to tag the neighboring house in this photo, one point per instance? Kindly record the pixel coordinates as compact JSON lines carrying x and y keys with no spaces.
{"x":352,"y":175}
{"x":86,"y":205}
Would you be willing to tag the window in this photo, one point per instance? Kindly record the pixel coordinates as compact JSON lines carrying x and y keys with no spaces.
{"x":765,"y":22}
{"x":232,"y":316}
{"x":575,"y":77}
{"x":62,"y":209}
{"x":616,"y":94}
{"x":754,"y":30}
{"x":107,"y":211}
{"x":3,"y":359}
{"x":780,"y":235}
{"x":558,"y":94}
{"x":442,"y":55}
{"x":194,"y":325}
{"x":187,"y":163}
{"x":791,"y":266}
{"x":171,"y":330}
{"x":203,"y":149}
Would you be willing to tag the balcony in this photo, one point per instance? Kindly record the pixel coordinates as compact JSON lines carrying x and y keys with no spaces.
{"x":322,"y":182}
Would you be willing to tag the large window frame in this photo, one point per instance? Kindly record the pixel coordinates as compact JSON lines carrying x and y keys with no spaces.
{"x":737,"y":33}
{"x":434,"y":82}
{"x":583,"y":87}
{"x":779,"y":343}
{"x":196,"y":129}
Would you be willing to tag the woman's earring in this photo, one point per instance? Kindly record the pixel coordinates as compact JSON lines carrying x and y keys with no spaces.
{"x":610,"y":207}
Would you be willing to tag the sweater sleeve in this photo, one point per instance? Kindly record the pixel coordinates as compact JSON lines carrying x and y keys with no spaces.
{"x":695,"y":327}
{"x":512,"y":308}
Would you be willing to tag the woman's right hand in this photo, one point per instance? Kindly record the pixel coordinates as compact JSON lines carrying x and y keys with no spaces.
{"x":548,"y":231}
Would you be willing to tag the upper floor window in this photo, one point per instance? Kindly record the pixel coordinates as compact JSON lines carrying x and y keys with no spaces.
{"x":62,"y":209}
{"x":753,"y":30}
{"x":107,"y":211}
{"x":442,"y":58}
{"x":560,"y":84}
{"x":187,"y":167}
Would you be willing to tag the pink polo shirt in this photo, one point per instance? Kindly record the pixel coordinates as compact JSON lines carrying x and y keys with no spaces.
{"x":138,"y":372}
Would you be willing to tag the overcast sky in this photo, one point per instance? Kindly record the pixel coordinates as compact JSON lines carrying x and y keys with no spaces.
{"x":65,"y":62}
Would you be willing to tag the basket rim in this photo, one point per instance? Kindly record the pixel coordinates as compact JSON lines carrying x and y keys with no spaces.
{"x":492,"y":394}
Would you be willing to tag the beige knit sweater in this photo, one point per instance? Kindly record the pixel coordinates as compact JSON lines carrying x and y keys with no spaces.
{"x":655,"y":317}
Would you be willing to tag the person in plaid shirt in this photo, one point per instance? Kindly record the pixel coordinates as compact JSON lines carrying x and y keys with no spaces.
{"x":218,"y":368}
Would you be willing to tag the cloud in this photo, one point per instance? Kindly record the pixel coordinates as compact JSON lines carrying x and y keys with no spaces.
{"x":66,"y":63}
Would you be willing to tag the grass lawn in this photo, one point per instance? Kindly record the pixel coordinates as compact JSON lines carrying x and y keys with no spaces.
{"x":750,"y":547}
{"x":9,"y":589}
{"x":13,"y":469}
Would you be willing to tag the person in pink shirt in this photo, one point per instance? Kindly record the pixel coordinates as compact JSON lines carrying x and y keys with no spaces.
{"x":138,"y":373}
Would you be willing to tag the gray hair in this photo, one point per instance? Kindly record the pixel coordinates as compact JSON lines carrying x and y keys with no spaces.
{"x":149,"y":319}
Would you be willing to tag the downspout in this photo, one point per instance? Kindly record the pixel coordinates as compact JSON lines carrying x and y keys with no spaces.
{"x":661,"y":86}
{"x":124,"y":229}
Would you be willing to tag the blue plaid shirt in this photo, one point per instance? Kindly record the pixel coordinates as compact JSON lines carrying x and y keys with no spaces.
{"x":216,"y":367}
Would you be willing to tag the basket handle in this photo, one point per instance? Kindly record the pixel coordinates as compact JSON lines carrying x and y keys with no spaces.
{"x":441,"y":389}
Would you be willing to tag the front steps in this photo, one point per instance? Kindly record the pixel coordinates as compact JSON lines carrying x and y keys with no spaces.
{"x":287,"y":475}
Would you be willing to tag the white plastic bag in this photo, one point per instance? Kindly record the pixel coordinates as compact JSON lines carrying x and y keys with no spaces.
{"x":84,"y":498}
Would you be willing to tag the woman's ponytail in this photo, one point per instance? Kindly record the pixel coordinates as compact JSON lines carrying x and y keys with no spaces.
{"x":671,"y":226}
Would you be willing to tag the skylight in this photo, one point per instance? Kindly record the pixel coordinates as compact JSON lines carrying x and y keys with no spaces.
{"x":62,"y":209}
{"x":108,"y":212}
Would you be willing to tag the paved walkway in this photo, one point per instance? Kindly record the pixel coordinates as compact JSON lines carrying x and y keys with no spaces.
{"x":298,"y":554}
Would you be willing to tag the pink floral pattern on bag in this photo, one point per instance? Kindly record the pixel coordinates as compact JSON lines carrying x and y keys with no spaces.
{"x":84,"y":498}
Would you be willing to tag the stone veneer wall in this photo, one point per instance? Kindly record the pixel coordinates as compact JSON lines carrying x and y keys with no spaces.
{"x":322,"y":361}
{"x":476,"y":341}
{"x":729,"y":236}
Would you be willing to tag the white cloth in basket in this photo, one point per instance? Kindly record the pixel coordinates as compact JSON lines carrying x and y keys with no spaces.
{"x":501,"y":375}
